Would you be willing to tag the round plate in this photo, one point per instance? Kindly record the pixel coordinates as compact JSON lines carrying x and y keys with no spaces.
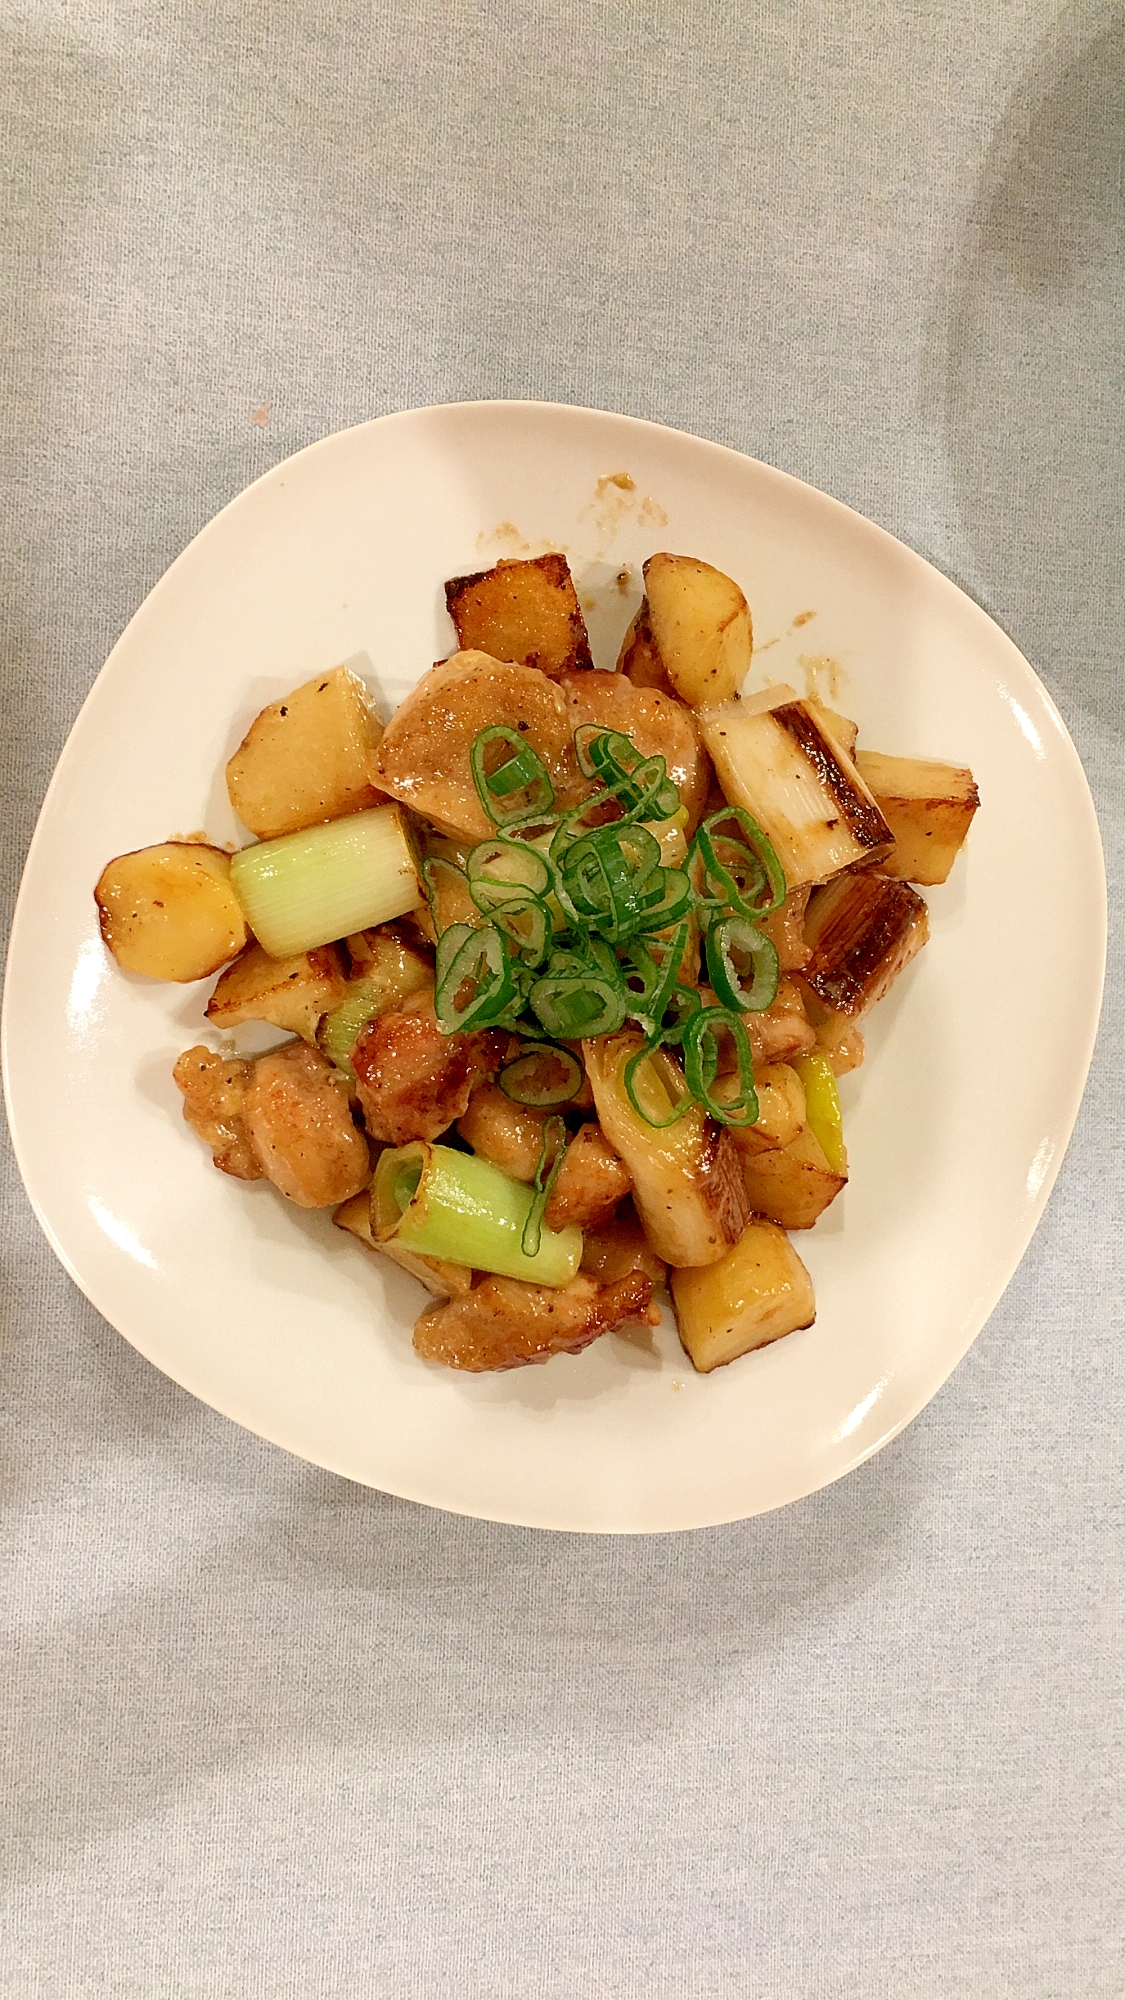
{"x":956,"y":1124}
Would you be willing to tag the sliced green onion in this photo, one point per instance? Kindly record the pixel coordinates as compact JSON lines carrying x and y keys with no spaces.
{"x":542,"y":1076}
{"x":737,"y":951}
{"x":521,"y":777}
{"x":577,"y":997}
{"x":555,"y":1140}
{"x":527,"y":927}
{"x":463,"y":1209}
{"x":701,"y":1064}
{"x":641,"y":783}
{"x":307,"y":889}
{"x":822,"y":1108}
{"x":503,"y":870}
{"x":656,"y":963}
{"x":667,"y":898}
{"x":474,"y":982}
{"x":607,"y":876}
{"x":739,"y":871}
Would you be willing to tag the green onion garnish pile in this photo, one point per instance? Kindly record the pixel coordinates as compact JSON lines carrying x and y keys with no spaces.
{"x":583,"y":928}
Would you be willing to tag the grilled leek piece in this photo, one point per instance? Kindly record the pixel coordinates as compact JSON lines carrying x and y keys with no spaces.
{"x":687,"y":1178}
{"x":444,"y":1280}
{"x":787,"y":768}
{"x":929,"y":808}
{"x":781,"y":1111}
{"x":759,"y":1291}
{"x":862,"y":930}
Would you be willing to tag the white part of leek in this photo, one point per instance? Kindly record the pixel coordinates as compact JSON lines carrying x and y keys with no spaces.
{"x":308,"y":888}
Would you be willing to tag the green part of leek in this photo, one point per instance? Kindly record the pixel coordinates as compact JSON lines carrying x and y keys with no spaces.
{"x":463,"y":1209}
{"x":340,"y":1030}
{"x":308,"y":888}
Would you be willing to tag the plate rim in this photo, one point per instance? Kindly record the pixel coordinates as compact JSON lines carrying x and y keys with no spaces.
{"x":952,"y":1355}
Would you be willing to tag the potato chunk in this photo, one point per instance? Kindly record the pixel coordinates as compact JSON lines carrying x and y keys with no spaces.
{"x":307,"y":758}
{"x":929,"y":808}
{"x":781,"y":1111}
{"x":170,"y":911}
{"x":523,"y":611}
{"x":794,"y":1184}
{"x":861,"y":931}
{"x":442,"y":1279}
{"x":423,"y":759}
{"x":759,"y":1291}
{"x":701,"y":629}
{"x":289,"y":993}
{"x":296,"y":1113}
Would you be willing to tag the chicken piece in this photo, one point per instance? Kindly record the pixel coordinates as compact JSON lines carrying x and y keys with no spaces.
{"x":423,"y":759}
{"x":592,"y":1180}
{"x":299,"y":1123}
{"x":783,"y":1030}
{"x":214,"y":1090}
{"x":656,"y":723}
{"x":620,"y":1246}
{"x":505,"y":1323}
{"x":414,"y":1082}
{"x":508,"y":1134}
{"x":786,"y":930}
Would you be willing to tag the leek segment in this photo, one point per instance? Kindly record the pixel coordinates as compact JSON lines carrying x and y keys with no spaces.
{"x":464,"y":1210}
{"x":822,"y":1108}
{"x":308,"y":888}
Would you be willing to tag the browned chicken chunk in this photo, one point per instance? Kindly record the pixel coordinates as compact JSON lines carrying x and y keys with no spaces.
{"x":504,"y":1323}
{"x":413,"y":1081}
{"x":658,"y":724}
{"x":214,"y":1089}
{"x":300,"y":1125}
{"x":592,"y":1180}
{"x":508,"y":1134}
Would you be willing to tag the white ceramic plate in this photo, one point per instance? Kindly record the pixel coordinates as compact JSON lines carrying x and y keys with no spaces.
{"x":956,"y":1125}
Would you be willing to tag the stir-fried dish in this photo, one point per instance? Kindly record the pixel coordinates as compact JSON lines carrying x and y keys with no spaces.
{"x":568,"y":963}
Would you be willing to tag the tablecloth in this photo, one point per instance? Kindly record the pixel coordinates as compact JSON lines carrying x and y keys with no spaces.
{"x":268,"y":1734}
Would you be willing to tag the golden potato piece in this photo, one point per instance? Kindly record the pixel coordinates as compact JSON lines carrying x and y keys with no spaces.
{"x":523,"y":611}
{"x":289,"y":993}
{"x":929,"y":808}
{"x":307,"y":758}
{"x":170,"y":911}
{"x":793,"y":1184}
{"x":758,"y":1292}
{"x":700,"y":624}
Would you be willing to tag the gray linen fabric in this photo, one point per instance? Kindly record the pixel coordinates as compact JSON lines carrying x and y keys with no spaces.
{"x":269,"y":1735}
